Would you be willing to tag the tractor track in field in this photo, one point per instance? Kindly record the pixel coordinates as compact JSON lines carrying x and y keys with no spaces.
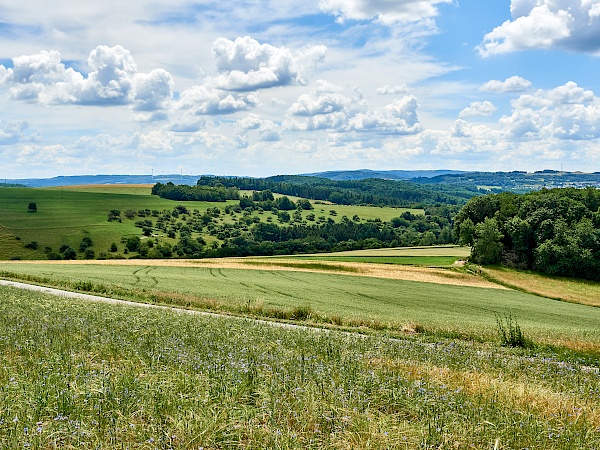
{"x":284,"y":325}
{"x":356,"y":269}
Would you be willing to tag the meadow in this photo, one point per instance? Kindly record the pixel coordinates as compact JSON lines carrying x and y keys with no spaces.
{"x":327,"y":295}
{"x":84,"y":375}
{"x":566,"y":289}
{"x":66,"y":215}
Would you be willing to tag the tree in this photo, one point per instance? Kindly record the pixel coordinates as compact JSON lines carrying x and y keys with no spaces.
{"x":487,"y":247}
{"x":32,"y":207}
{"x":467,"y":233}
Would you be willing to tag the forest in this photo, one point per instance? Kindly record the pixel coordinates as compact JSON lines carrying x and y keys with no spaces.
{"x":376,"y":192}
{"x":553,"y":231}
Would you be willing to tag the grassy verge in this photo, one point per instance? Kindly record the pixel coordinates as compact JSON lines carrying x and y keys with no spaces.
{"x":75,"y":374}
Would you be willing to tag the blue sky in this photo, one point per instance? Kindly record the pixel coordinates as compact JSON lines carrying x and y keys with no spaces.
{"x":260,"y":87}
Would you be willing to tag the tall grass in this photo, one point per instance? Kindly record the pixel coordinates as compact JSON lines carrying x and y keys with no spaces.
{"x":97,"y":376}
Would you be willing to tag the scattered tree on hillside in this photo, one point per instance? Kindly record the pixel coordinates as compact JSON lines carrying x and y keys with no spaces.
{"x":32,"y":207}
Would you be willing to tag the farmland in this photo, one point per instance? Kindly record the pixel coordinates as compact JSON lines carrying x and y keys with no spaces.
{"x":399,"y":347}
{"x":75,"y":374}
{"x":441,"y":301}
{"x":67,"y":215}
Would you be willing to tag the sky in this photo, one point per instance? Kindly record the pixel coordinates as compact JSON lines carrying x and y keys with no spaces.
{"x":266,"y":87}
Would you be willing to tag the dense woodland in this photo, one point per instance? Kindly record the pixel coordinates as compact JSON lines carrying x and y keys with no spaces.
{"x":554,"y":231}
{"x":186,"y":193}
{"x":376,"y":192}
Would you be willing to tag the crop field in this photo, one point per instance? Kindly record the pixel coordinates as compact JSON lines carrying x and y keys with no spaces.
{"x":81,"y":375}
{"x":439,"y":250}
{"x":66,"y":215}
{"x":428,"y":261}
{"x":440,"y":256}
{"x":576,"y":291}
{"x":340,"y":298}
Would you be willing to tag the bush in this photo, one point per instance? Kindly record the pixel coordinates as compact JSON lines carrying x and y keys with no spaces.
{"x":510,"y":333}
{"x":33,"y":245}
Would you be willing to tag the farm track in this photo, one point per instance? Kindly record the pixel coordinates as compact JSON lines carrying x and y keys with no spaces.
{"x":385,"y":271}
{"x":284,"y":325}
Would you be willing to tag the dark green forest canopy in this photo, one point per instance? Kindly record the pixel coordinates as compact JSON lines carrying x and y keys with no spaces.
{"x":183,"y":192}
{"x":371,"y":191}
{"x":554,"y":231}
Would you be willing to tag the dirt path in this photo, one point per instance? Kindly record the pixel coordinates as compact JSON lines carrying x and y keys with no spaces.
{"x":112,"y":301}
{"x":387,"y":271}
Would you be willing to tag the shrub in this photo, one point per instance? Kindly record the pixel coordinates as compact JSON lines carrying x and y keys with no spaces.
{"x":509,"y":332}
{"x":33,"y":245}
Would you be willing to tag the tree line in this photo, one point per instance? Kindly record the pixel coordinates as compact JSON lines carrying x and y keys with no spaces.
{"x":201,"y":193}
{"x":553,"y":231}
{"x":370,"y":191}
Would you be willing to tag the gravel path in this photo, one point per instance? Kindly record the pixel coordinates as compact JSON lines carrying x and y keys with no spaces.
{"x":112,"y":301}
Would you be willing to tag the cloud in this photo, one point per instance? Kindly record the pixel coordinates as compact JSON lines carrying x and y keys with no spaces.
{"x":485,"y":108}
{"x":43,"y":78}
{"x":543,"y":24}
{"x":392,"y":90}
{"x":325,"y":107}
{"x":203,"y":99}
{"x":268,"y":130}
{"x":153,"y":90}
{"x":12,"y":132}
{"x":246,"y":65}
{"x":383,"y":11}
{"x":566,"y":112}
{"x":512,"y":84}
{"x":399,"y":117}
{"x":111,"y":79}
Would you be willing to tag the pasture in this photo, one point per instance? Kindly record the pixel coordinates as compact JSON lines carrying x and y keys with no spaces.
{"x":81,"y":375}
{"x":66,"y":215}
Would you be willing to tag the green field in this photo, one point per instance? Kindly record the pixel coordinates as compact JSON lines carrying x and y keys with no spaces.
{"x":436,"y":250}
{"x":66,"y":215}
{"x":434,"y":256}
{"x":428,"y":261}
{"x":338,"y":298}
{"x":81,"y":375}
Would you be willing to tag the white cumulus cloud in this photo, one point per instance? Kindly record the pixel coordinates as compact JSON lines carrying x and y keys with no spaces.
{"x":512,"y":84}
{"x":114,"y":80}
{"x":566,"y":112}
{"x":565,"y":24}
{"x":246,"y":65}
{"x":203,"y":99}
{"x":399,"y":117}
{"x":485,"y":108}
{"x":326,"y":107}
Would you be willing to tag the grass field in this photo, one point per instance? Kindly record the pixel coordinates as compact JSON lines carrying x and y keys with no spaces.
{"x":428,"y":261}
{"x":566,"y":289}
{"x":436,"y":256}
{"x":334,"y":298}
{"x":67,"y":215}
{"x":80,"y":375}
{"x":438,"y":250}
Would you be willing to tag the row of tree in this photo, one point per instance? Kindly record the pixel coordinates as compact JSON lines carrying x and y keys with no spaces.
{"x":553,"y":231}
{"x":195,"y":193}
{"x":356,"y":192}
